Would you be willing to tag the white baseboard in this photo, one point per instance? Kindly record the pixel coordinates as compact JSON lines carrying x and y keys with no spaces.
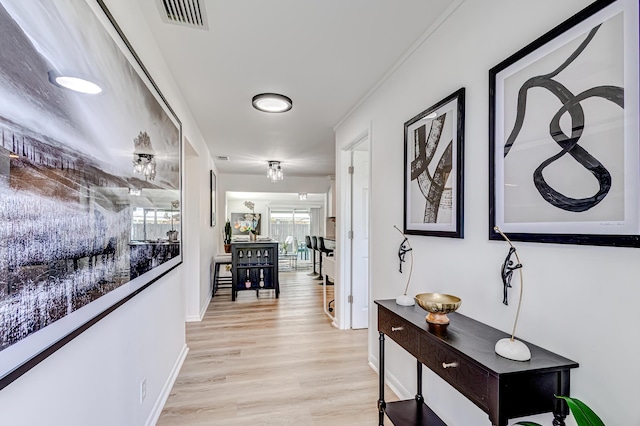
{"x":166,"y":389}
{"x":390,"y":380}
{"x":203,"y":311}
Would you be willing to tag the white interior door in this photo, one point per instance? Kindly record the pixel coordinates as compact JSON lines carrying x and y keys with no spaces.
{"x":360,"y":241}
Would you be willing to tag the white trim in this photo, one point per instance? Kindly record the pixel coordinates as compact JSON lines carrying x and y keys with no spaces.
{"x":342,"y":308}
{"x":205,"y":305}
{"x":192,"y":318}
{"x":203,"y":311}
{"x":360,"y":137}
{"x":391,"y":381}
{"x":166,"y":389}
{"x":343,"y":246}
{"x":203,"y":308}
{"x":406,"y":55}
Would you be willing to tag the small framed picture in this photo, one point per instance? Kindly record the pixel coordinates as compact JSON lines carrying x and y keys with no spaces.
{"x":434,"y":169}
{"x":213,"y":197}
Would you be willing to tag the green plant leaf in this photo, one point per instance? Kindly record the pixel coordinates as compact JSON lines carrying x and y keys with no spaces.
{"x":582,"y":413}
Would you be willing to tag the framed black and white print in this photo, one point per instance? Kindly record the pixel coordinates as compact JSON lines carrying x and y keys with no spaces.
{"x":563,"y":133}
{"x":90,"y":176}
{"x":434,"y":169}
{"x":212,"y":194}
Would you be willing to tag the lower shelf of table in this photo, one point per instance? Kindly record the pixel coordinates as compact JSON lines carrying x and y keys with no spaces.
{"x":235,"y":291}
{"x":245,"y":288}
{"x":411,"y":413}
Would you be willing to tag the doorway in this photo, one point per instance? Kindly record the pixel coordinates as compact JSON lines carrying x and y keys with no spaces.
{"x":356,"y":158}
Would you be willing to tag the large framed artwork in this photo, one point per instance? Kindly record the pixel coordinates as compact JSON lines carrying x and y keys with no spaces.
{"x":213,"y":185}
{"x":434,"y":169}
{"x":90,"y":176}
{"x":563,"y":133}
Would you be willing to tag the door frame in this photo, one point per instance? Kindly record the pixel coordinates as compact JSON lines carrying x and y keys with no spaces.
{"x":343,"y":307}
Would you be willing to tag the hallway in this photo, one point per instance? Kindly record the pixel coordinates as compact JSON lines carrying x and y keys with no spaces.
{"x":274,"y":362}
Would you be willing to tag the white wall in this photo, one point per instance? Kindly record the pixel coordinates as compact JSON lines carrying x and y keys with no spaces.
{"x":95,"y":379}
{"x":260,"y":207}
{"x":566,"y":286}
{"x":260,"y":183}
{"x":201,"y":242}
{"x":253,"y":183}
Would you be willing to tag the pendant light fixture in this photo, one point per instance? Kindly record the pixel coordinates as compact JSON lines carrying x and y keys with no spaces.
{"x":274,"y":172}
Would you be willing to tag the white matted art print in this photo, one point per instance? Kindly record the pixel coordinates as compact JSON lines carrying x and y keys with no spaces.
{"x":433,"y":188}
{"x":564,"y":133}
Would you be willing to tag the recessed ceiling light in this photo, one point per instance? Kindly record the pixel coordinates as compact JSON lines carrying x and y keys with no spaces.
{"x":77,"y":84}
{"x":271,"y":102}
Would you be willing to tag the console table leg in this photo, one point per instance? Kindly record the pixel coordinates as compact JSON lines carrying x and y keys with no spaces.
{"x":558,"y":420}
{"x":381,"y":403}
{"x":419,"y":396}
{"x":561,"y":410}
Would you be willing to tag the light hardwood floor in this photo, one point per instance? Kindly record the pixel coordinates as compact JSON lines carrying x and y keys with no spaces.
{"x":268,"y":361}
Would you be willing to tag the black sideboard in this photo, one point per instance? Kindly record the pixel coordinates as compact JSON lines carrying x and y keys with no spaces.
{"x":462,"y":353}
{"x":254,"y":266}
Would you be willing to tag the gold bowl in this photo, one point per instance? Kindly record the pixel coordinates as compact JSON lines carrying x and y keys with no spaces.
{"x":438,"y":305}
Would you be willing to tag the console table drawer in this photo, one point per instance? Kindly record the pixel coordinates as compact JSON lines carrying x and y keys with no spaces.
{"x":401,"y":331}
{"x":471,"y":380}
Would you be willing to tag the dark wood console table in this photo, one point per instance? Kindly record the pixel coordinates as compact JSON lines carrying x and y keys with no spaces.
{"x":462,"y":353}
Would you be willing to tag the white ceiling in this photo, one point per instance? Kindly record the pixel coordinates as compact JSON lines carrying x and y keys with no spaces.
{"x":324,"y":54}
{"x":273,"y":197}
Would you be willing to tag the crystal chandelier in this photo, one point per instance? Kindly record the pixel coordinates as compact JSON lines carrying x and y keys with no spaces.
{"x":274,"y":172}
{"x":145,"y":164}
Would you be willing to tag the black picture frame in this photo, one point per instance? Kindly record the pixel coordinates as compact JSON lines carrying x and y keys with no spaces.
{"x":577,"y":86}
{"x":90,"y":230}
{"x":213,"y":197}
{"x":434,"y":171}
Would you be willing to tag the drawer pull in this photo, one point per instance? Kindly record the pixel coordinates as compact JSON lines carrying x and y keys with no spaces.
{"x":397,"y":328}
{"x":450,"y":365}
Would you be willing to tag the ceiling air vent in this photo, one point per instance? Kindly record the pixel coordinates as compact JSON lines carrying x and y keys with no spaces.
{"x":223,"y":158}
{"x":190,"y":13}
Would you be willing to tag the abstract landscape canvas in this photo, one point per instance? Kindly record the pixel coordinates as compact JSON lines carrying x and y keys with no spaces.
{"x":90,"y":184}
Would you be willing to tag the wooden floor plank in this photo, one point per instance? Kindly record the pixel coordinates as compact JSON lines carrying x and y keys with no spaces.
{"x":267,"y":361}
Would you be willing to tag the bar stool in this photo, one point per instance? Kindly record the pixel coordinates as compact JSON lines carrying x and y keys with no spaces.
{"x":218,"y":281}
{"x":323,"y":249}
{"x":317,"y":249}
{"x":307,"y":240}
